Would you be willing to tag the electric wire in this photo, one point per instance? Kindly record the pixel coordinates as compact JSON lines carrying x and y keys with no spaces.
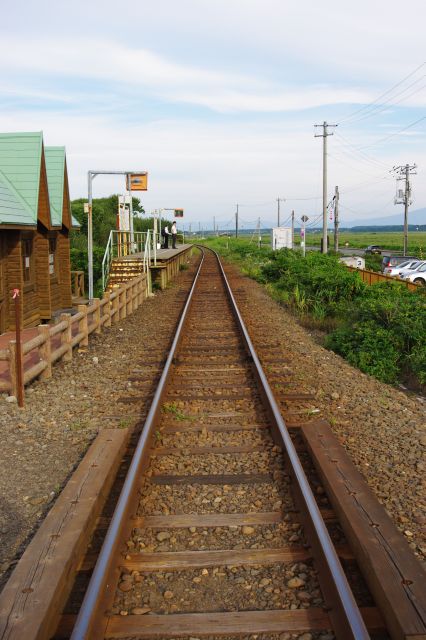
{"x":371,"y":104}
{"x":392,"y":135}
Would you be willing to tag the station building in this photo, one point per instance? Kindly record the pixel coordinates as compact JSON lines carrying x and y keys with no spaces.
{"x":35,"y":221}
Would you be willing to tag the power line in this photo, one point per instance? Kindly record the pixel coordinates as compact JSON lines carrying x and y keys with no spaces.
{"x":353,"y":149}
{"x":348,"y":117}
{"x":394,"y":102}
{"x":392,"y":135}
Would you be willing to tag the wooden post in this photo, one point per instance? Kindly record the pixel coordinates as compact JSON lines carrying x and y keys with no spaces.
{"x":115,"y":307}
{"x":19,"y":365}
{"x":123,"y":302}
{"x":107,"y":308}
{"x":46,"y":351}
{"x":129,"y":298}
{"x":82,"y":325}
{"x":97,"y":315}
{"x":66,"y":336}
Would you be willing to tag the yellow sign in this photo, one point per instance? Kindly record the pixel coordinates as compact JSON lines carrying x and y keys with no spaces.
{"x":138,"y":182}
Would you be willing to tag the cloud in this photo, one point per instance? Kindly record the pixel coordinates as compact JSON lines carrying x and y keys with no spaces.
{"x":139,"y":70}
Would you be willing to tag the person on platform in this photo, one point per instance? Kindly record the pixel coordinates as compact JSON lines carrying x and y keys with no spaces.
{"x":174,"y":234}
{"x":165,"y":234}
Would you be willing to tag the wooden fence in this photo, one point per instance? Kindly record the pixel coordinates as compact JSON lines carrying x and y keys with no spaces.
{"x":373,"y":277}
{"x":56,"y":342}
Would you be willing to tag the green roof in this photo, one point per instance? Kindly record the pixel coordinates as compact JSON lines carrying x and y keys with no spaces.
{"x":13,"y":208}
{"x":55,"y":169}
{"x":20,"y":162}
{"x":74,"y":222}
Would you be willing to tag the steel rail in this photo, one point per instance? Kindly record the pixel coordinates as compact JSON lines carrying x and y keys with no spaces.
{"x":347,"y":621}
{"x":343,"y":610}
{"x":85,"y":627}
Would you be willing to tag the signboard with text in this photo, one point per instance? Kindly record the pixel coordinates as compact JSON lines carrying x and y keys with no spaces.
{"x":138,"y":182}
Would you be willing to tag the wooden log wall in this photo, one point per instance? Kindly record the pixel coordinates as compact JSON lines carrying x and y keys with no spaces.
{"x":64,"y":268}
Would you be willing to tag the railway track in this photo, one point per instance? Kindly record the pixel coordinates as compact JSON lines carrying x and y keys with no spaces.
{"x":223,"y":527}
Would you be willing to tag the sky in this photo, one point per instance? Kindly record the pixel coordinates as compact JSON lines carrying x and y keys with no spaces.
{"x":218,"y":100}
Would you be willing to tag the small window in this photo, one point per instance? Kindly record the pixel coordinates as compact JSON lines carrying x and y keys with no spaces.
{"x":52,"y":256}
{"x":27,"y":250}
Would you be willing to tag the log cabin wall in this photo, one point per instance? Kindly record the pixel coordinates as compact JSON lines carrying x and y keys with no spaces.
{"x":13,"y":275}
{"x":54,"y":272}
{"x":64,"y":268}
{"x":42,"y":300}
{"x":3,"y":284}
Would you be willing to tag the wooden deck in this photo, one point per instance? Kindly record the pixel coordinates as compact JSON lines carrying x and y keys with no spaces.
{"x":168,"y":264}
{"x":162,"y":254}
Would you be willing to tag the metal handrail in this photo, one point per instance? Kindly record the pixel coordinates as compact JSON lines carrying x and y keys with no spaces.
{"x":106,"y":262}
{"x":122,"y":243}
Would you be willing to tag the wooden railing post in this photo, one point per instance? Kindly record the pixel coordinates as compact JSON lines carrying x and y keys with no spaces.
{"x":97,"y":315}
{"x":116,"y":307}
{"x":12,"y":369}
{"x":46,"y":351}
{"x":123,"y":302}
{"x":107,"y":308}
{"x":82,"y":325}
{"x":134,"y":295}
{"x":66,"y":336}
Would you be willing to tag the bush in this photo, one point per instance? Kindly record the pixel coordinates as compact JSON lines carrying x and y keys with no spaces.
{"x":368,"y":347}
{"x":380,"y":328}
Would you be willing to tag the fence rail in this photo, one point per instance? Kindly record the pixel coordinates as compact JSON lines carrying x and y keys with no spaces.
{"x":373,"y":277}
{"x":56,"y":342}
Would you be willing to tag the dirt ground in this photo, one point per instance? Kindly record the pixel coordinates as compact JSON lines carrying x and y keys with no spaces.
{"x":382,"y":428}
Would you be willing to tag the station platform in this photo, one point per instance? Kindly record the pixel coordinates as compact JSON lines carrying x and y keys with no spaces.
{"x":165,"y":267}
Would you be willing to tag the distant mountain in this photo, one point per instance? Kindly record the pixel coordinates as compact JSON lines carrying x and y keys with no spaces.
{"x":414,"y":217}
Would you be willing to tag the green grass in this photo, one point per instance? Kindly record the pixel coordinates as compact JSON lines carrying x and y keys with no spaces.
{"x":388,"y":240}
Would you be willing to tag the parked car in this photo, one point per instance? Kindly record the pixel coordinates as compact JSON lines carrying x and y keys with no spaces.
{"x":418,"y":276}
{"x":373,"y":248}
{"x":408,"y":270}
{"x":393,"y":261}
{"x":393,"y":271}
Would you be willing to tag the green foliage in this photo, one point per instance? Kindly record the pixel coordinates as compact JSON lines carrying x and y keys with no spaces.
{"x":380,"y":328}
{"x":312,"y":282}
{"x":384,"y":333}
{"x":373,"y":262}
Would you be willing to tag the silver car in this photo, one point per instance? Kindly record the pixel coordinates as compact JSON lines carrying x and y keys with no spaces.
{"x":408,"y":264}
{"x":405,"y":273}
{"x":418,"y":276}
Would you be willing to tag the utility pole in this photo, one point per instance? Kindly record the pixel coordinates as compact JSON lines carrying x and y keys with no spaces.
{"x":303,"y":233}
{"x":324,"y":135}
{"x":214,"y":225}
{"x":259,"y":239}
{"x":404,"y":196}
{"x":292,"y":229}
{"x":278,"y":211}
{"x":236,"y":223}
{"x":336,"y":219}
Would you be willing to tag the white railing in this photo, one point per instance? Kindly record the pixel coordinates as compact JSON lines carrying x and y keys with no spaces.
{"x":120,"y":244}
